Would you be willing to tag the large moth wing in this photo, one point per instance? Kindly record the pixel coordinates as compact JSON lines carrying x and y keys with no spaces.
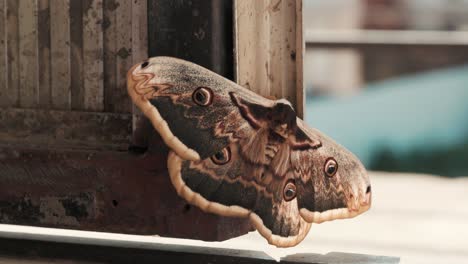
{"x":235,"y":153}
{"x":280,"y":185}
{"x":188,"y":104}
{"x":240,"y":189}
{"x":324,"y":195}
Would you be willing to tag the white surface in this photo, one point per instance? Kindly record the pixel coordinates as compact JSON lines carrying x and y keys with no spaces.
{"x":422,"y":219}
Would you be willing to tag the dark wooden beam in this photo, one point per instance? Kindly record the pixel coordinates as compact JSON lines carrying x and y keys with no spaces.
{"x":102,"y":191}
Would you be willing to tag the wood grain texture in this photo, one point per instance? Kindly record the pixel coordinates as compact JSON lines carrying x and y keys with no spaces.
{"x":117,"y":54}
{"x":52,"y":53}
{"x":64,"y":129}
{"x":300,"y":55}
{"x":268,"y":52}
{"x":107,"y":191}
{"x":60,"y":56}
{"x":69,"y":54}
{"x":125,"y":34}
{"x":139,"y":43}
{"x":43,"y":19}
{"x":124,"y":55}
{"x":3,"y":55}
{"x":139,"y":31}
{"x":245,"y":16}
{"x":110,"y":51}
{"x":93,"y":55}
{"x":12,"y":89}
{"x":28,"y":53}
{"x":76,"y":55}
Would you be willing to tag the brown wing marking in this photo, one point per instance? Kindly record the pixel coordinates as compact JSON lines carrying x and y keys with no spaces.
{"x":236,"y":197}
{"x":140,"y":93}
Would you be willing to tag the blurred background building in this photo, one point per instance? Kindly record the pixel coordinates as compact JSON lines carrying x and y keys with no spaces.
{"x":395,"y":91}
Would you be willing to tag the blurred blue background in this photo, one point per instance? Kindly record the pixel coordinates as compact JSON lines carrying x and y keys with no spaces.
{"x":397,"y":107}
{"x":416,"y":123}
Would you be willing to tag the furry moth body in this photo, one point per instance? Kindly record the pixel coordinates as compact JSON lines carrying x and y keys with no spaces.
{"x":235,"y":153}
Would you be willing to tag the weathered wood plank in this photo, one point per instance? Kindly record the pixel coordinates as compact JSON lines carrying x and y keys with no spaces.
{"x":53,"y":128}
{"x":76,"y":55}
{"x":28,"y":53}
{"x":117,"y":50}
{"x":139,"y":31}
{"x":139,"y":42}
{"x":268,"y":52}
{"x":110,"y":51}
{"x":3,"y":55}
{"x":279,"y":69}
{"x":93,"y":55}
{"x":43,"y":18}
{"x":293,"y":41}
{"x":246,"y":9}
{"x":12,"y":89}
{"x":60,"y":56}
{"x":250,"y":46}
{"x":300,"y":55}
{"x":124,"y":15}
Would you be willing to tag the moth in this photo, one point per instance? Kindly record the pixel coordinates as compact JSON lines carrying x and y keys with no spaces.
{"x":238,"y":154}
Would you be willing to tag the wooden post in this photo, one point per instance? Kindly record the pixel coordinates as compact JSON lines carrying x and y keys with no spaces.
{"x":67,"y":167}
{"x":65,"y":163}
{"x":270,"y":48}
